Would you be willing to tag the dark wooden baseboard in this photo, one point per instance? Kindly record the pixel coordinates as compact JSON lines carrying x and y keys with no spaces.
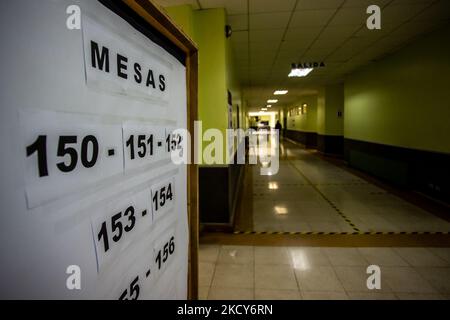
{"x":219,"y":189}
{"x":325,"y":240}
{"x":309,"y":139}
{"x":424,"y":171}
{"x":333,"y":145}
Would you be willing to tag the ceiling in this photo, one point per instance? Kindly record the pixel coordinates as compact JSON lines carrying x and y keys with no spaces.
{"x":269,"y":35}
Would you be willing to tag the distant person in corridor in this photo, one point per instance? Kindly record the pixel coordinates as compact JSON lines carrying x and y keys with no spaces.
{"x":278,"y":126}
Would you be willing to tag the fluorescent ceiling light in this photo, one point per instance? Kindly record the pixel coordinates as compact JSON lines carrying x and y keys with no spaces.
{"x":298,"y":72}
{"x":280,"y":92}
{"x":261,"y":113}
{"x":272,"y":101}
{"x":273,"y":185}
{"x":281,"y":210}
{"x":258,"y":113}
{"x":269,"y":106}
{"x":264,"y":109}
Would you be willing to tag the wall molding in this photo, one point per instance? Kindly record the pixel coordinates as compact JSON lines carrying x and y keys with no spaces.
{"x":420,"y":170}
{"x":309,"y":139}
{"x":330,"y":144}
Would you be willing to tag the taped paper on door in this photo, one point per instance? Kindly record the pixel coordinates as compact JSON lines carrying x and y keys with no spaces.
{"x":114,"y":63}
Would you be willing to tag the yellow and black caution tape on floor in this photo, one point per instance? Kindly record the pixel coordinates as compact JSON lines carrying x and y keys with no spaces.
{"x":342,"y":184}
{"x":339,"y":212}
{"x":302,"y":233}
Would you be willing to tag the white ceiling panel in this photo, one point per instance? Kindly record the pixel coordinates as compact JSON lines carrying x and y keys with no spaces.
{"x":376,"y":33}
{"x":240,"y":47}
{"x":418,"y":27}
{"x":337,"y":59}
{"x":360,"y":42}
{"x":331,"y":66}
{"x":239,"y":37}
{"x":231,"y":6}
{"x":345,"y":53}
{"x":278,"y":78}
{"x":318,"y":4}
{"x":330,"y":30}
{"x":390,"y":42}
{"x":358,"y":60}
{"x":371,"y":55}
{"x":274,"y":20}
{"x":261,"y":47}
{"x":238,"y":22}
{"x":294,"y":45}
{"x":315,"y":55}
{"x":258,"y":69}
{"x":283,"y":65}
{"x":350,"y":16}
{"x":311,"y":18}
{"x":241,"y":58}
{"x":322,"y":52}
{"x":400,"y":13}
{"x":263,"y":55}
{"x":291,"y":56}
{"x":339,"y":33}
{"x":302,"y":34}
{"x":364,"y":3}
{"x":240,"y":52}
{"x":280,"y":71}
{"x":326,"y":45}
{"x":413,"y":1}
{"x":271,"y":35}
{"x":439,"y":11}
{"x":262,"y":6}
{"x":263,"y":60}
{"x":242,"y":65}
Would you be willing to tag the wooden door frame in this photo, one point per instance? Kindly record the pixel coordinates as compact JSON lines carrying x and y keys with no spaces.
{"x":153,"y":14}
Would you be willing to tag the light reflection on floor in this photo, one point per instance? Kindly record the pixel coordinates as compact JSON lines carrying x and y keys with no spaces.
{"x":295,"y":199}
{"x":291,"y":273}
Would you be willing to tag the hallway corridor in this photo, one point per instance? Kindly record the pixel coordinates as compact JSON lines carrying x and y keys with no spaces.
{"x":309,"y":194}
{"x":311,"y":231}
{"x":177,"y":150}
{"x":321,"y":273}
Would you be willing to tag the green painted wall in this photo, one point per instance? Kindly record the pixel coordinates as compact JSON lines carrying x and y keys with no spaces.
{"x":183,"y":16}
{"x":233,"y":84}
{"x":216,"y":73}
{"x":244,"y":114}
{"x":304,"y":122}
{"x":321,"y":113}
{"x":330,"y":100}
{"x":334,"y":102}
{"x":212,"y":91}
{"x":403,"y":99}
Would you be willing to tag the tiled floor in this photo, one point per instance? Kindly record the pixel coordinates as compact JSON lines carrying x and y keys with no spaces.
{"x":310,"y":194}
{"x":301,"y":196}
{"x":254,"y":272}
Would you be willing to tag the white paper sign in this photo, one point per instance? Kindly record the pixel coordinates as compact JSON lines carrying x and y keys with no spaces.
{"x":72,"y":196}
{"x":143,"y":144}
{"x":119,"y":223}
{"x":164,"y":250}
{"x":65,"y":152}
{"x":116,"y":64}
{"x":163,"y":197}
